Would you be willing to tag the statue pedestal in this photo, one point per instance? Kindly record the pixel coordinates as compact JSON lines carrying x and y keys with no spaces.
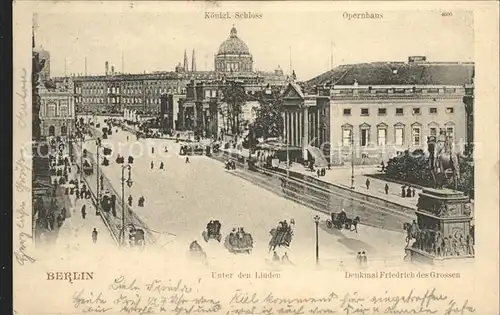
{"x":445,"y":230}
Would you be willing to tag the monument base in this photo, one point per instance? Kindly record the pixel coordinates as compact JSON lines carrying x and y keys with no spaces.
{"x":417,"y":256}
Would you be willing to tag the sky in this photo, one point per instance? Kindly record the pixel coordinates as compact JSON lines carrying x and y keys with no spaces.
{"x":154,"y":38}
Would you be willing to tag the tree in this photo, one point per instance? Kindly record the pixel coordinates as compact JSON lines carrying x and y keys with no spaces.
{"x":269,"y":120}
{"x":234,"y":96}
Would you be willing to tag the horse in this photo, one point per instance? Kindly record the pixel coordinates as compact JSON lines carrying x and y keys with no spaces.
{"x":445,"y":159}
{"x":349,"y":223}
{"x":411,"y":232}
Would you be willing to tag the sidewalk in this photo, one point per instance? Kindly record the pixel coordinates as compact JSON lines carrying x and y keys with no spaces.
{"x":341,"y":175}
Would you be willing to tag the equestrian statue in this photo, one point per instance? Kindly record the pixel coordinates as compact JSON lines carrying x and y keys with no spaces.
{"x":443,"y":158}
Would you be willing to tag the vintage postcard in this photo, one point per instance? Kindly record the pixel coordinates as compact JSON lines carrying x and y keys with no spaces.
{"x":243,"y":158}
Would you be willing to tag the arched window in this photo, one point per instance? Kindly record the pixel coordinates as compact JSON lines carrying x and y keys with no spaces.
{"x":347,"y":136}
{"x":450,"y":130}
{"x":382,"y":134}
{"x":399,"y":134}
{"x":416,"y":134}
{"x":64,"y":130}
{"x":364,"y":132}
{"x":63,"y":110}
{"x":51,"y":110}
{"x":52,"y":131}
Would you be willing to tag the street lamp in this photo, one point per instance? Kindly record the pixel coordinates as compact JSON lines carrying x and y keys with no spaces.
{"x":352,"y":160}
{"x":98,"y":193}
{"x":316,"y":220}
{"x":129,"y":184}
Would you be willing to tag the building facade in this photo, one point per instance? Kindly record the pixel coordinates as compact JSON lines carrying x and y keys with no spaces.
{"x":57,"y":112}
{"x":379,"y":110}
{"x":114,"y":92}
{"x":380,"y":121}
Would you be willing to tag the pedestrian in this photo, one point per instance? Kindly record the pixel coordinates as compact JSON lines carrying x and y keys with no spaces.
{"x":94,"y":235}
{"x":408,"y":192}
{"x":276,"y":258}
{"x":84,"y":212}
{"x":127,"y":138}
{"x":413,"y":192}
{"x":318,"y":172}
{"x":364,"y":260}
{"x":367,"y":183}
{"x":285,"y":259}
{"x":386,"y":188}
{"x":341,"y":266}
{"x":403,"y":191}
{"x":161,"y":166}
{"x":382,"y":165}
{"x":359,"y":259}
{"x":187,"y":159}
{"x":152,"y":164}
{"x":130,"y":199}
{"x":77,"y":193}
{"x":153,"y":150}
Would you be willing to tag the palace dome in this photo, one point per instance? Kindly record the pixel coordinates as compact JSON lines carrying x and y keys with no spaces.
{"x":233,"y":45}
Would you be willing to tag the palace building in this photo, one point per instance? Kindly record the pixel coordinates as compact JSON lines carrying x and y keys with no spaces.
{"x":114,"y":92}
{"x":379,"y":109}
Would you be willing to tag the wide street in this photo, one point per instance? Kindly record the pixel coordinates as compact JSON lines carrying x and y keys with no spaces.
{"x":184,"y":197}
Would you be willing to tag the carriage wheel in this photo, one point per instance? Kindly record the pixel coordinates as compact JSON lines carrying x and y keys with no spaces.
{"x":329,"y":224}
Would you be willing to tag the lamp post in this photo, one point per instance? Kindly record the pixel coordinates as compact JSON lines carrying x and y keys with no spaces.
{"x":316,"y":220}
{"x":129,"y":184}
{"x":98,"y":193}
{"x":352,"y":161}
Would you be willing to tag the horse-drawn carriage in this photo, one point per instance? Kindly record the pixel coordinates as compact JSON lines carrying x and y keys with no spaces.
{"x":281,"y":235}
{"x":136,"y":236}
{"x":341,"y":221}
{"x":230,"y":165}
{"x":239,"y":241}
{"x":120,"y":159}
{"x":87,"y":168}
{"x":212,"y":231}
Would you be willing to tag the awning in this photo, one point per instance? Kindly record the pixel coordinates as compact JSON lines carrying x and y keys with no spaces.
{"x":319,"y":158}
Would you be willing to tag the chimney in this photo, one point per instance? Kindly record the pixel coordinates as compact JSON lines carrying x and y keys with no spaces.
{"x":193,"y":62}
{"x":106,"y":67}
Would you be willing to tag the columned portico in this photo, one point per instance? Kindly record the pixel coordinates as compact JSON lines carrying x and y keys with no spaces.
{"x":301,"y":121}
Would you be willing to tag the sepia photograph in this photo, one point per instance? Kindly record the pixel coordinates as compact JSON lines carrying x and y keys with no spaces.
{"x":239,"y":148}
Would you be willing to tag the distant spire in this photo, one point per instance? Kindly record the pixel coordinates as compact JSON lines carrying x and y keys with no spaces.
{"x":185,"y":61}
{"x":193,"y":62}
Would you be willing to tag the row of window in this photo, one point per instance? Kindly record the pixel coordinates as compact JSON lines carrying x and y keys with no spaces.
{"x":395,"y":91}
{"x":52,"y":111}
{"x":116,"y":90}
{"x":210,"y":93}
{"x":399,"y":135}
{"x":399,"y":111}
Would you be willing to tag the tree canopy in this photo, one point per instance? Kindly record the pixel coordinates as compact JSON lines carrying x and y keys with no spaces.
{"x":235,"y":97}
{"x":269,"y":120}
